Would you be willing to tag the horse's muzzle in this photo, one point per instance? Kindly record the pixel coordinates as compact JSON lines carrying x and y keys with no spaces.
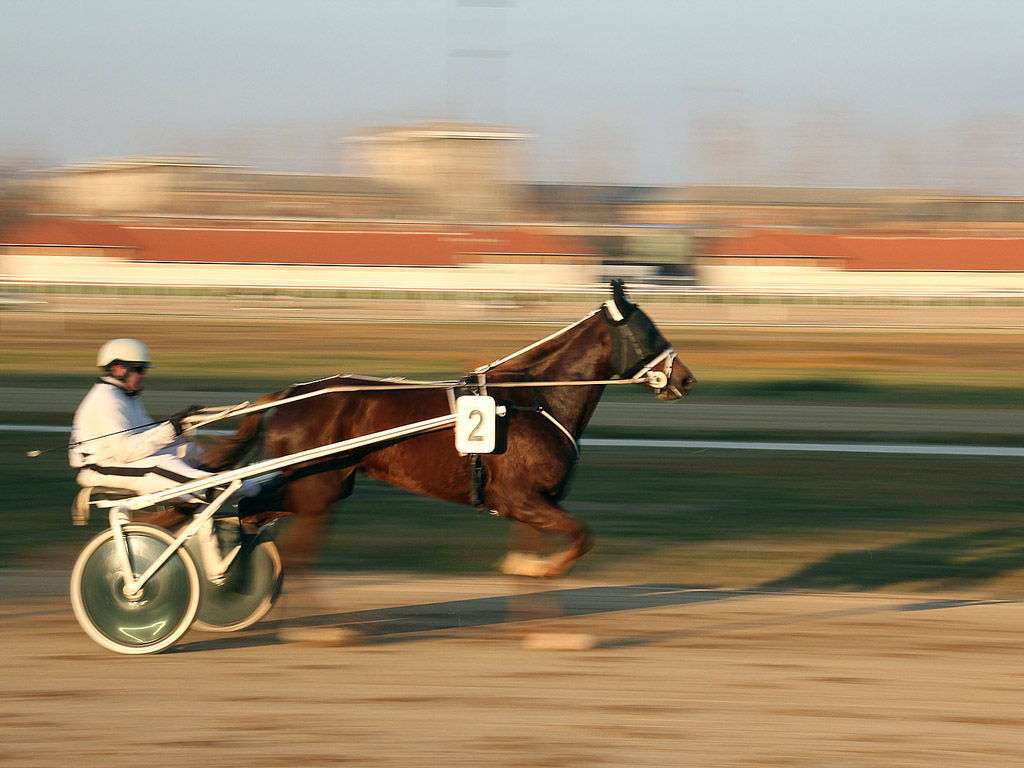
{"x":677,"y":389}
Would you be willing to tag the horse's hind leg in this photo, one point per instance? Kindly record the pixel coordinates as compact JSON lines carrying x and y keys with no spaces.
{"x":309,"y":500}
{"x":547,"y":517}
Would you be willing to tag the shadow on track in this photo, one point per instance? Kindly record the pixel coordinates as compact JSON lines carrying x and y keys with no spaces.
{"x":544,"y":609}
{"x":407,"y":623}
{"x":946,"y":563}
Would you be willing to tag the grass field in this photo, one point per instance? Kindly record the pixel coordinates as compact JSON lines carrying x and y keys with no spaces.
{"x":712,"y":517}
{"x":732,"y":364}
{"x":736,"y":519}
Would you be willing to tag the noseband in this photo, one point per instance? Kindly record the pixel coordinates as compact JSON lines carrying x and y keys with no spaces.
{"x":660,"y":381}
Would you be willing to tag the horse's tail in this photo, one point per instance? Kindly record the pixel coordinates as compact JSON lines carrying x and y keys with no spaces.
{"x":228,"y":452}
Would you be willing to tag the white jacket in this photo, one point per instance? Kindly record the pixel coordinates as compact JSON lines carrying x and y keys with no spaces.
{"x":108,"y":408}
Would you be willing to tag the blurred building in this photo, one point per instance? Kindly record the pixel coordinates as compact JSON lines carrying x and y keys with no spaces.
{"x":460,"y":183}
{"x":460,"y":172}
{"x":73,"y":251}
{"x":437,"y":172}
{"x":862,"y":261}
{"x":190,"y":188}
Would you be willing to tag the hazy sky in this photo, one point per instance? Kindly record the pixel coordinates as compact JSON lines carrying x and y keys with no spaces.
{"x":619,"y":91}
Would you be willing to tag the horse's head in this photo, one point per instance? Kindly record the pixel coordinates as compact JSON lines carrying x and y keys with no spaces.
{"x":640,"y":352}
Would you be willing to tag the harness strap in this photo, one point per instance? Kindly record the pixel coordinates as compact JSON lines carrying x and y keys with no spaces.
{"x":644,"y":376}
{"x":561,"y":427}
{"x":539,"y":408}
{"x":524,"y":350}
{"x":477,"y":481}
{"x":233,"y":411}
{"x":472,"y":384}
{"x":564,"y":431}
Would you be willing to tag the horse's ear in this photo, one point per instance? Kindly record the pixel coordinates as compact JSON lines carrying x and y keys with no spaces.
{"x":622,"y":302}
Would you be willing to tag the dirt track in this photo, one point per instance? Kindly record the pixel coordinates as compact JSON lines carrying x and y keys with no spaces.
{"x":680,"y":676}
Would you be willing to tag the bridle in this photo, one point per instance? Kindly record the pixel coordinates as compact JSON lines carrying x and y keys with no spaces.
{"x":660,"y":381}
{"x":638,"y":348}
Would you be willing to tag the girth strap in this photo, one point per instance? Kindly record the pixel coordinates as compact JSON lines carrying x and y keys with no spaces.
{"x":477,"y":481}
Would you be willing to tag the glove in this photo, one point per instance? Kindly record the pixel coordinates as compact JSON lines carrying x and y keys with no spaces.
{"x":181,"y":416}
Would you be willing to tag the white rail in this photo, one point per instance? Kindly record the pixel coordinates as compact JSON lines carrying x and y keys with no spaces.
{"x":36,"y":286}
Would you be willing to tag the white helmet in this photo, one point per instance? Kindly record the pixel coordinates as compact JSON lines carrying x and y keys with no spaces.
{"x":125,"y":350}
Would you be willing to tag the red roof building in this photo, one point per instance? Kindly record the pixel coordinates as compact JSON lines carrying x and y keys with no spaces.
{"x":874,"y":252}
{"x":266,"y":245}
{"x":61,"y":232}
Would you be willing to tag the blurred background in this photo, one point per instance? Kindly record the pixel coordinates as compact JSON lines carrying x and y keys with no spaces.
{"x":821,"y":205}
{"x":816,"y":557}
{"x":513,"y":144}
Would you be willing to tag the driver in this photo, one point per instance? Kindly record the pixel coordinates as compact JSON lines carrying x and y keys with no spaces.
{"x":115,"y":442}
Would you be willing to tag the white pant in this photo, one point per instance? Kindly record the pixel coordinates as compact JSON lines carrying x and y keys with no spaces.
{"x":159,"y":472}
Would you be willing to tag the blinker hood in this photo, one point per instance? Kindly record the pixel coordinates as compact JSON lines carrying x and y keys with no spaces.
{"x":635,"y":339}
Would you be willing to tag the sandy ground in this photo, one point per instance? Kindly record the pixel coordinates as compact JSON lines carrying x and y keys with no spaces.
{"x":679,"y":676}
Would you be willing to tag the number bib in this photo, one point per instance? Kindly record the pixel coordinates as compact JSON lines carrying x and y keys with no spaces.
{"x":475,"y":424}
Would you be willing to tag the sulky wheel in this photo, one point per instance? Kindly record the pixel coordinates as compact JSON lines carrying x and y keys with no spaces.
{"x":156,"y":618}
{"x":250,"y":588}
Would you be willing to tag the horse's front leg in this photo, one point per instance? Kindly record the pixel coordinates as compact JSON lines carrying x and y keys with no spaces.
{"x":547,"y":517}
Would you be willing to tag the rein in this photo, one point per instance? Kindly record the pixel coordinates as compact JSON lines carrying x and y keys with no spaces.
{"x":658,"y":380}
{"x":652,"y":378}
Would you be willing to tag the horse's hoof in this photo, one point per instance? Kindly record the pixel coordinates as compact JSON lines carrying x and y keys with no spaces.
{"x":322,"y":637}
{"x":523,"y":564}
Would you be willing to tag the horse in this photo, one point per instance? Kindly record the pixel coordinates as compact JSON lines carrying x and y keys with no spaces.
{"x":550,"y":389}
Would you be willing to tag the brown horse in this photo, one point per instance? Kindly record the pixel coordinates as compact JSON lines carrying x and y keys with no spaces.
{"x":524,"y":482}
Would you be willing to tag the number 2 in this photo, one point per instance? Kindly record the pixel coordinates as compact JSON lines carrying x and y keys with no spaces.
{"x":474,"y":435}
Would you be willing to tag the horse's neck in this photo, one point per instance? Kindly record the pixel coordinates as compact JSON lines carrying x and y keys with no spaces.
{"x":583,"y":354}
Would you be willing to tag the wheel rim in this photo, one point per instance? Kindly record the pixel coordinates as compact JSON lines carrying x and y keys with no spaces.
{"x":155,"y":618}
{"x":249,"y":590}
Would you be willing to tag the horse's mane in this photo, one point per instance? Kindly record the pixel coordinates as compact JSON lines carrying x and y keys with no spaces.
{"x":542,"y":351}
